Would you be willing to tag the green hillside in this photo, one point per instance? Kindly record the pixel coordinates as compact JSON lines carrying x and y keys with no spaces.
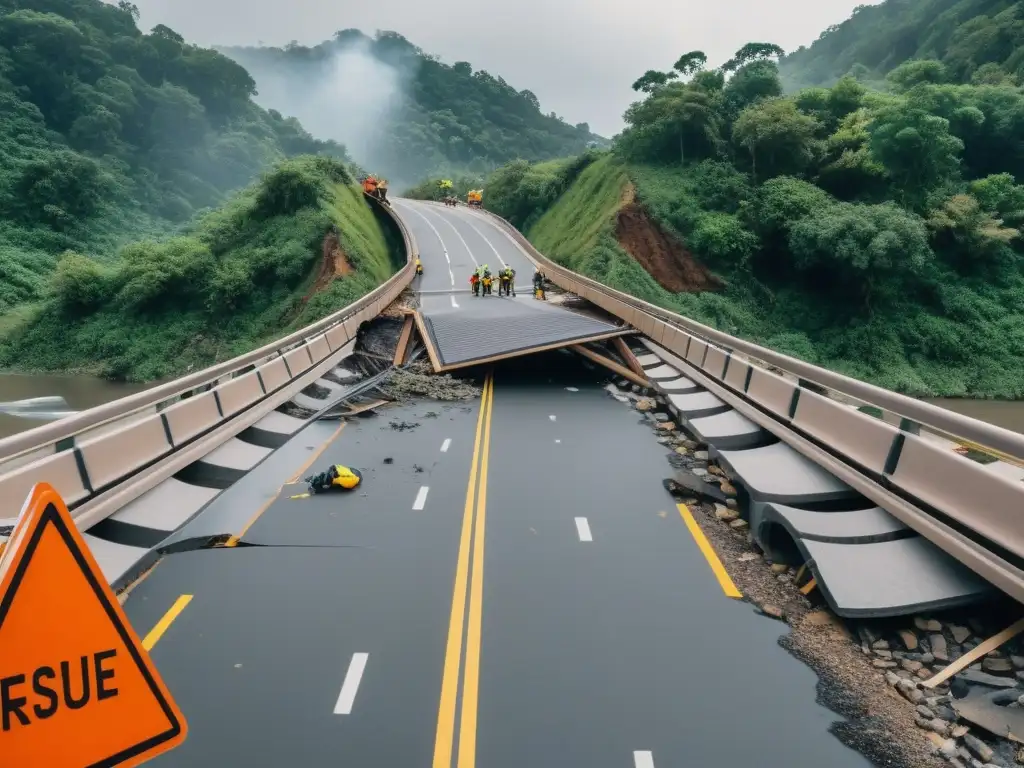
{"x":978,"y":41}
{"x":298,"y":245}
{"x":875,"y":233}
{"x":445,"y":119}
{"x":107,"y":134}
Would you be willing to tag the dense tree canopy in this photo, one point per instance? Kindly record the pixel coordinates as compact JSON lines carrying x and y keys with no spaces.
{"x":876,"y":230}
{"x":974,"y":41}
{"x":106,"y":131}
{"x":449,"y":119}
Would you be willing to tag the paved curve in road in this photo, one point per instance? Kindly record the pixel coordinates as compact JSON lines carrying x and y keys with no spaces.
{"x":555,"y":613}
{"x":452,"y":242}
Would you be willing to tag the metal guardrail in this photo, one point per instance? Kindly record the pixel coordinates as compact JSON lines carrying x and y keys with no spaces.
{"x":55,"y":433}
{"x":941,"y":420}
{"x":958,"y":504}
{"x":103,"y":458}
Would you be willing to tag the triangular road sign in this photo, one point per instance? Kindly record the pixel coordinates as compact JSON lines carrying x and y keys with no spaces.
{"x":77,"y":690}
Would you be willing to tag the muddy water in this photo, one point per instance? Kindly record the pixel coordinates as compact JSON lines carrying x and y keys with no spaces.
{"x":1008,"y":414}
{"x":80,"y":392}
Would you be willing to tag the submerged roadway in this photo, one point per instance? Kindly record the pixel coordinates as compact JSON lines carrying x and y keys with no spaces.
{"x":511,"y":586}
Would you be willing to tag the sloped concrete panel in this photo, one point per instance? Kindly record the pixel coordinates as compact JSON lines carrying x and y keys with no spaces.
{"x":165,"y":507}
{"x":693,"y":406}
{"x":682,"y":385}
{"x":778,"y":473}
{"x":891,"y":578}
{"x":647,"y":359}
{"x":860,"y":526}
{"x":661,"y":372}
{"x":729,"y":430}
{"x":492,"y":327}
{"x":275,"y":421}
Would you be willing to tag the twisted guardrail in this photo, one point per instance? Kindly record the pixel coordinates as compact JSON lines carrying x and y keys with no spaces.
{"x":97,"y":458}
{"x":962,"y":506}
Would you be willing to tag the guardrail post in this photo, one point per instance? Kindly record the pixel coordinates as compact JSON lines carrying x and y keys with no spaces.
{"x":910,"y":427}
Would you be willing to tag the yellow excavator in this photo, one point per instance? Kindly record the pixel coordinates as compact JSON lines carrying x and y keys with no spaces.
{"x":475,"y":198}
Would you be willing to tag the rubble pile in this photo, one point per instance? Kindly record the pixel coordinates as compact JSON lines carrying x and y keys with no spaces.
{"x":419,"y":380}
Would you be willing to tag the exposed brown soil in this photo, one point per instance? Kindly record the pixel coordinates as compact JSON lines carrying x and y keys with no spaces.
{"x":664,"y":257}
{"x":333,"y":264}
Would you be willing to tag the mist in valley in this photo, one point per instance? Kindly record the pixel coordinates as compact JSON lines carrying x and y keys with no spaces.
{"x":348,"y":95}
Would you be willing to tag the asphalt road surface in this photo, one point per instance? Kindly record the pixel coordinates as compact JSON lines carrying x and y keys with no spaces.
{"x":452,"y":243}
{"x":511,"y":586}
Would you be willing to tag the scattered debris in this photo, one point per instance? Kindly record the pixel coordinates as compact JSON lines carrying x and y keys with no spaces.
{"x":402,"y":426}
{"x":389,"y":460}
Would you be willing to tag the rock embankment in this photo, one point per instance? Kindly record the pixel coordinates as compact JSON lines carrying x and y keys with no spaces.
{"x":870,"y":672}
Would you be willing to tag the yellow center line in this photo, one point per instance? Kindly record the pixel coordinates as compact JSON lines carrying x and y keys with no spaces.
{"x":471,"y":673}
{"x":235,"y":538}
{"x":168,"y":618}
{"x":709,"y":553}
{"x":445,"y":736}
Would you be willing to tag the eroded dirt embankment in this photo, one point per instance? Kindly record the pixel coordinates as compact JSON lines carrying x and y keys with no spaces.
{"x":334,"y":263}
{"x":663,"y":256}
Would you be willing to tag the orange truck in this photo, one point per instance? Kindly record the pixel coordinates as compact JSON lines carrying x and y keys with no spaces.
{"x":475,"y":198}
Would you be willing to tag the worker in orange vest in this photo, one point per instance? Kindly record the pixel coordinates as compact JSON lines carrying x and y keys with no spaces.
{"x":370,"y":186}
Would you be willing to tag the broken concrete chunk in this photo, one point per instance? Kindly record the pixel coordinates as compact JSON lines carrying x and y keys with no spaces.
{"x":738,"y":524}
{"x":927,"y":625}
{"x":976,"y":676}
{"x":938,"y":647}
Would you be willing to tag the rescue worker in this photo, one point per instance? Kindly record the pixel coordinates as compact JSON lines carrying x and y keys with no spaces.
{"x":538,"y":284}
{"x":337,"y":477}
{"x":382,"y":190}
{"x":419,"y":267}
{"x":504,"y":286}
{"x":370,"y":186}
{"x":474,"y":283}
{"x":487,"y":280}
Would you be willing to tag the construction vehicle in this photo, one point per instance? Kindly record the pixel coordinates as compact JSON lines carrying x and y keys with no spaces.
{"x":474,"y":199}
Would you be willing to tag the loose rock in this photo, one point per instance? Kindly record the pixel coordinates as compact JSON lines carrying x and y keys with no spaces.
{"x":738,"y":524}
{"x":979,"y":748}
{"x":700,"y":455}
{"x":909,"y":639}
{"x":959,"y":633}
{"x":880,"y":645}
{"x":883,"y":664}
{"x":728,"y":489}
{"x":938,"y":646}
{"x":911,"y":666}
{"x":645,"y":405}
{"x":927,"y":625}
{"x":997,"y":666}
{"x":778,"y":568}
{"x":726,"y":514}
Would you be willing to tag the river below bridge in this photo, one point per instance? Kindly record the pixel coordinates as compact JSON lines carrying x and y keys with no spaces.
{"x":77,"y":392}
{"x":81,"y":392}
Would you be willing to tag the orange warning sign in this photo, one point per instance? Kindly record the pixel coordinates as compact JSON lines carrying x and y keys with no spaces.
{"x":76,"y":687}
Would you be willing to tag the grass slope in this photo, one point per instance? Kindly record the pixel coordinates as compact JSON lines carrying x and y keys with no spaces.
{"x":235,"y":280}
{"x":975,"y":349}
{"x":578,"y":232}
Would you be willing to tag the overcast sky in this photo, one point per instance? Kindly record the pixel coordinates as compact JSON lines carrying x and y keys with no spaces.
{"x":578,"y":56}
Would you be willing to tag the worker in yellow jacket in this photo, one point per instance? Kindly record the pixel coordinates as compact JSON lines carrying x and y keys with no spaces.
{"x":338,"y":477}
